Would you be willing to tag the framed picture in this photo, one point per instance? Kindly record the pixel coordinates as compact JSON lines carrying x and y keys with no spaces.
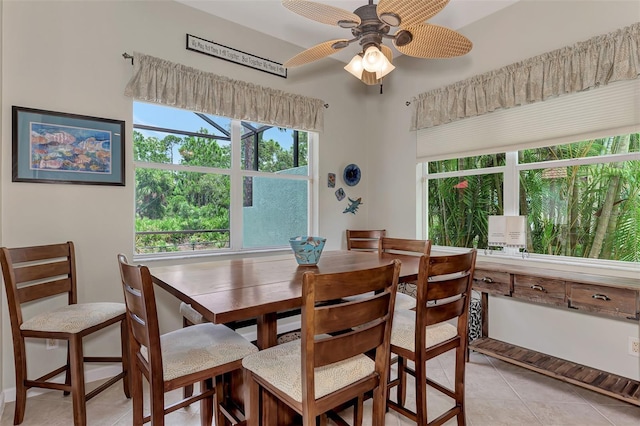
{"x":56,"y":147}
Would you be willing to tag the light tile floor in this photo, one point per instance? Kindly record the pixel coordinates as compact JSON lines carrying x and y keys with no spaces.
{"x":497,"y":393}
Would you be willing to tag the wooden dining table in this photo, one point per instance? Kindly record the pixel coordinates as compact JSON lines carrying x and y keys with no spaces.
{"x":242,"y":289}
{"x":227,"y":291}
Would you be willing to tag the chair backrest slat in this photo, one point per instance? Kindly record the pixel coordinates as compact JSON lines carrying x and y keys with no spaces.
{"x":451,"y":264}
{"x":404,"y":245}
{"x":36,"y":253}
{"x":364,"y":240}
{"x":444,"y":312}
{"x":42,"y":290}
{"x":336,"y":286}
{"x":350,"y":315}
{"x":443,"y":289}
{"x":41,"y":271}
{"x":337,"y":348}
{"x":363,"y":245}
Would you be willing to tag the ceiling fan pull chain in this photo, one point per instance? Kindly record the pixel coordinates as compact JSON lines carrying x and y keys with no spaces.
{"x":381,"y":88}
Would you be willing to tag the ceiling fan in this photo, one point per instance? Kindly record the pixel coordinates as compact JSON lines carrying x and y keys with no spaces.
{"x":371,"y":24}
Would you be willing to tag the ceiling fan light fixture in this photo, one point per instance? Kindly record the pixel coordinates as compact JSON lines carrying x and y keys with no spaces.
{"x":373,"y":59}
{"x":386,"y":69}
{"x":354,"y":67}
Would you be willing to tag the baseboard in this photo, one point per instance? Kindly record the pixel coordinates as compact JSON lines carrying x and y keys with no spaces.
{"x":9,"y":395}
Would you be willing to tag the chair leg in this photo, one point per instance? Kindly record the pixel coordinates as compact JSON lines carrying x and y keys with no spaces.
{"x":401,"y":391}
{"x":206,"y":404}
{"x":421,"y":391}
{"x":461,"y":354}
{"x":218,"y":401}
{"x":156,"y":402}
{"x":251,"y":400}
{"x":379,"y":405}
{"x":21,"y":389}
{"x":187,"y":390}
{"x":67,"y":375}
{"x":77,"y":381}
{"x":136,"y":394}
{"x":357,"y":411}
{"x":126,"y":362}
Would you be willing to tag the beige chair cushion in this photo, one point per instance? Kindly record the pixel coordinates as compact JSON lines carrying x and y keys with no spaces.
{"x":403,"y":301}
{"x":403,"y":331}
{"x":193,"y":316}
{"x":200,"y":347}
{"x":74,"y":318}
{"x":281,"y":366}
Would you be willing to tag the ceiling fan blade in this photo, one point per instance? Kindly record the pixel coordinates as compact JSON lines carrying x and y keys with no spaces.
{"x":434,"y":41}
{"x":314,"y":53}
{"x":410,"y":12}
{"x":321,"y":12}
{"x":369,"y":78}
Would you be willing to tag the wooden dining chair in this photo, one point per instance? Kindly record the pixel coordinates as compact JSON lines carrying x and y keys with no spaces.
{"x":428,"y":332}
{"x":196,"y":354}
{"x":405,"y":246}
{"x":364,"y":240}
{"x":39,"y":272}
{"x":328,"y":366}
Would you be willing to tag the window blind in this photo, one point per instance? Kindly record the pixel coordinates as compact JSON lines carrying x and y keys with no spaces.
{"x":570,"y":118}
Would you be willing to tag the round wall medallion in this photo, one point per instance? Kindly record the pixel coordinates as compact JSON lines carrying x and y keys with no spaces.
{"x":351,"y":175}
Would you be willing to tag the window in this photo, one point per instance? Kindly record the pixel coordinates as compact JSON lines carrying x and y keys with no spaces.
{"x":212,"y":183}
{"x":581,"y":199}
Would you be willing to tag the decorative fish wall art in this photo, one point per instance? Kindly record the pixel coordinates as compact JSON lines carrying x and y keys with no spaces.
{"x":353,"y":205}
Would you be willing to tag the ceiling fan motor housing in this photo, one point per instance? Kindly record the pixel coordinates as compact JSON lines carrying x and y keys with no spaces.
{"x":371,"y":29}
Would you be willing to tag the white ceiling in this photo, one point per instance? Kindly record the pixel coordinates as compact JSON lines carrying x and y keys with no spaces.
{"x":270,"y":17}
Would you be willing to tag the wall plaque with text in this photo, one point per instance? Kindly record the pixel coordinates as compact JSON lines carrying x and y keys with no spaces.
{"x":220,"y":51}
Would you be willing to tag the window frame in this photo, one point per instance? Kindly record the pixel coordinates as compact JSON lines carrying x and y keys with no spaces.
{"x":511,"y":190}
{"x":237,"y":175}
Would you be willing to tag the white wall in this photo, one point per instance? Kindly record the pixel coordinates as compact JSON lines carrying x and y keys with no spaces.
{"x":66,"y":56}
{"x":523,"y":30}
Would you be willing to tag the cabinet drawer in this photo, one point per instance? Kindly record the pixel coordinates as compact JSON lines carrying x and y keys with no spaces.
{"x":539,"y":289}
{"x":619,"y":302}
{"x":492,"y":282}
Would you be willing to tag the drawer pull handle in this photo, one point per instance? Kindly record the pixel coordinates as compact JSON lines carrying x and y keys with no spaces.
{"x":537,"y":287}
{"x":486,"y":280}
{"x":600,"y":296}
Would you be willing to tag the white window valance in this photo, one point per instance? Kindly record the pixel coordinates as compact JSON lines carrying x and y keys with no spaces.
{"x":167,"y":83}
{"x":585,"y":65}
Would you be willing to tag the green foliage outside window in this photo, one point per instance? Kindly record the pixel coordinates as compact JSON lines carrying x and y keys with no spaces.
{"x":186,"y":202}
{"x":589,"y":208}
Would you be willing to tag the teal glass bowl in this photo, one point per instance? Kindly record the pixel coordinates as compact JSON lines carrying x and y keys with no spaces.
{"x":306,"y":249}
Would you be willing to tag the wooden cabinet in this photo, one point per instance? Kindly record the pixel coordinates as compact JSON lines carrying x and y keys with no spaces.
{"x":592,"y":294}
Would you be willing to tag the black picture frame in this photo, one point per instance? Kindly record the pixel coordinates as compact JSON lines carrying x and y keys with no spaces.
{"x":58,"y":147}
